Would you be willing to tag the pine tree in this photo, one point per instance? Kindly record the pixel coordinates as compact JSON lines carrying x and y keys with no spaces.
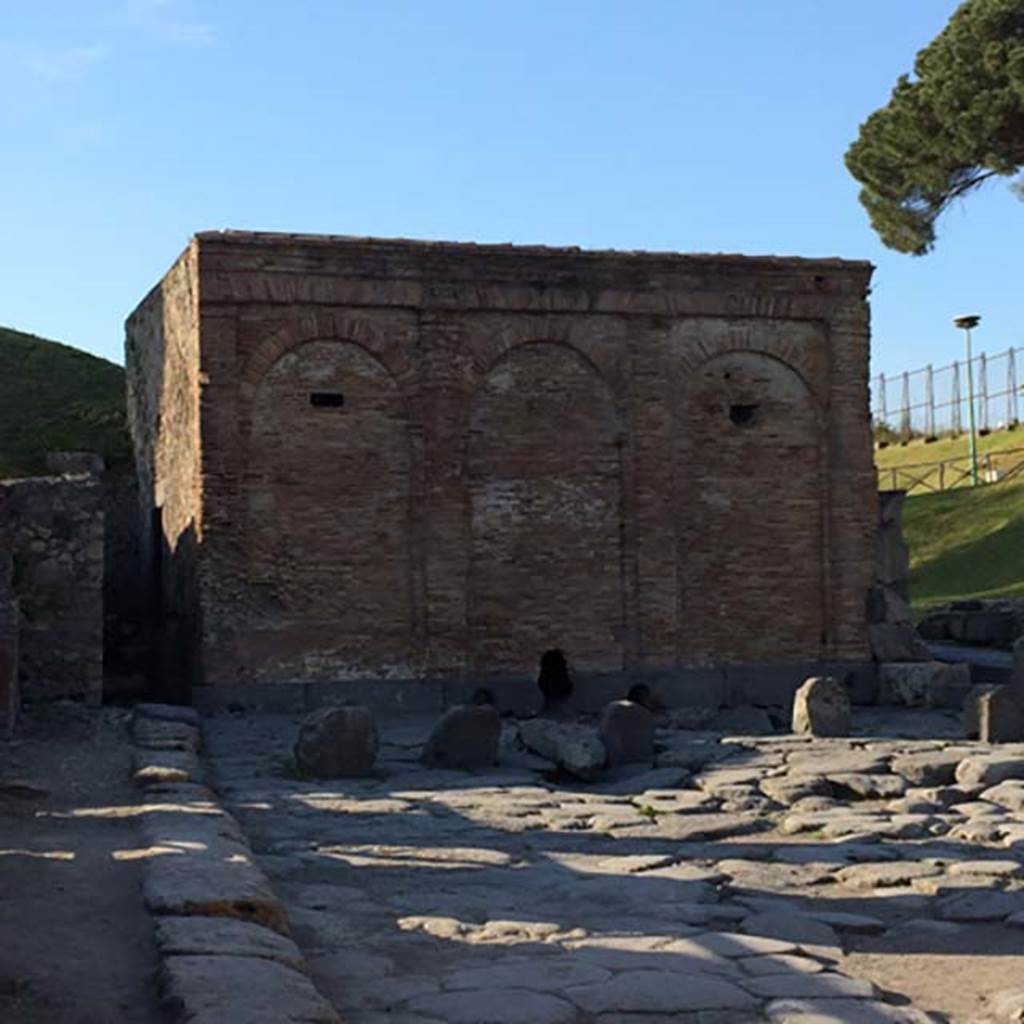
{"x":956,"y":123}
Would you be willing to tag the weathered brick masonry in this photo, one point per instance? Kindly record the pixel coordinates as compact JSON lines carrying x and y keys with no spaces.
{"x":400,"y":459}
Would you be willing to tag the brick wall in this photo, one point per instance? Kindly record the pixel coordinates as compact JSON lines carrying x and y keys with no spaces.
{"x":162,"y":372}
{"x":407,"y":459}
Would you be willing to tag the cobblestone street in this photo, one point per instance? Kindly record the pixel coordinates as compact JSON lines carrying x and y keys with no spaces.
{"x":738,"y":879}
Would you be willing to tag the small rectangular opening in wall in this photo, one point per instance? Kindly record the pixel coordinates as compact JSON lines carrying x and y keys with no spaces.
{"x":326,"y":399}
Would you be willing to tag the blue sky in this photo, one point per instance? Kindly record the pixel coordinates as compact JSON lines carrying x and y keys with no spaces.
{"x":691,"y":125}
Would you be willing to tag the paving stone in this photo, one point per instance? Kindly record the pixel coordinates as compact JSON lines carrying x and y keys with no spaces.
{"x":495,"y":1006}
{"x":801,"y":985}
{"x":843,"y":1011}
{"x":552,"y":974}
{"x":218,"y":881}
{"x":163,"y":766}
{"x":930,"y":767}
{"x":990,"y":769}
{"x":839,"y":760}
{"x":168,"y":713}
{"x":980,"y":905}
{"x":867,"y":787}
{"x":873,"y":876}
{"x":1009,"y":794}
{"x":385,"y":993}
{"x":217,"y":989}
{"x":998,"y":868}
{"x":780,"y":964}
{"x":744,"y":721}
{"x":1006,"y":1006}
{"x":351,"y":963}
{"x":787,"y":790}
{"x":659,"y":992}
{"x":223,"y":936}
{"x":791,"y":927}
{"x":161,"y":734}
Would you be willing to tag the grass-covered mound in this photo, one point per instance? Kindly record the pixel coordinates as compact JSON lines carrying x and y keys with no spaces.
{"x":56,"y":398}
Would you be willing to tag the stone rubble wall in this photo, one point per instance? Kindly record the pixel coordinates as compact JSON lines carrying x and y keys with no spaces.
{"x":53,"y":528}
{"x":9,"y":694}
{"x":408,"y":460}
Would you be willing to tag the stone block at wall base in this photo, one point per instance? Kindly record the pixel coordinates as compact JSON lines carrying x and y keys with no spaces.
{"x":766,"y":686}
{"x":10,"y":699}
{"x":931,"y":684}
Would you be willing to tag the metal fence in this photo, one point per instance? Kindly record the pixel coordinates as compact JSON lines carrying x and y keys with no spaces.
{"x":917,"y":478}
{"x":932,"y":401}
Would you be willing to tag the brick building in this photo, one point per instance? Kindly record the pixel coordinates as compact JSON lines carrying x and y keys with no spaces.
{"x":365,"y":459}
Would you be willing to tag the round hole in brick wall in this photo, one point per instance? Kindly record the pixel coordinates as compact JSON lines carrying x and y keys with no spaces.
{"x":744,"y":414}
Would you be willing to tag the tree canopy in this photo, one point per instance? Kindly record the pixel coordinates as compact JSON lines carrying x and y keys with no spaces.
{"x":956,"y":123}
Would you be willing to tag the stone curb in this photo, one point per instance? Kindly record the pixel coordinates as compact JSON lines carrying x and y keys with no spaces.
{"x":228,"y":956}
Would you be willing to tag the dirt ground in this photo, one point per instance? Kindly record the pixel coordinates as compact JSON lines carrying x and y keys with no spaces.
{"x":76,"y":941}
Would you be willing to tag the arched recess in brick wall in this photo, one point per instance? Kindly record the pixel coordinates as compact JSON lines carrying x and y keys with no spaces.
{"x":545,"y":496}
{"x":751,"y":503}
{"x":327,"y":507}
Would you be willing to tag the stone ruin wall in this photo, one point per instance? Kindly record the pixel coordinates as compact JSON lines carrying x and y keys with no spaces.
{"x":647,"y":461}
{"x":52,"y":539}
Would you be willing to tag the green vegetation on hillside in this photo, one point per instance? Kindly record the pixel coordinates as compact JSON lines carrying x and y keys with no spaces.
{"x":966,"y":543}
{"x":56,"y":398}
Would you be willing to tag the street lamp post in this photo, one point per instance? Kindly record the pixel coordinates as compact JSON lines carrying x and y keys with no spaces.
{"x":966,"y":323}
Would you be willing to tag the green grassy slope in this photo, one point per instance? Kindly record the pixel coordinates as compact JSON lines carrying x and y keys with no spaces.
{"x":966,"y":543}
{"x":910,"y":467}
{"x":56,"y":398}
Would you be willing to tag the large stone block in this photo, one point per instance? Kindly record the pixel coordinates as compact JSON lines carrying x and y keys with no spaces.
{"x":9,"y":693}
{"x":897,"y":641}
{"x":337,"y":742}
{"x":627,"y":731}
{"x":931,"y":684}
{"x":1001,"y":716}
{"x":466,"y":737}
{"x":821,"y":707}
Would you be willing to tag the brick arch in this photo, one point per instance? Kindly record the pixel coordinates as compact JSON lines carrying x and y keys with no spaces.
{"x":544,"y":486}
{"x":693,"y":351}
{"x":492,"y":346}
{"x":751,"y":497}
{"x":327,"y":518}
{"x":376,"y":339}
